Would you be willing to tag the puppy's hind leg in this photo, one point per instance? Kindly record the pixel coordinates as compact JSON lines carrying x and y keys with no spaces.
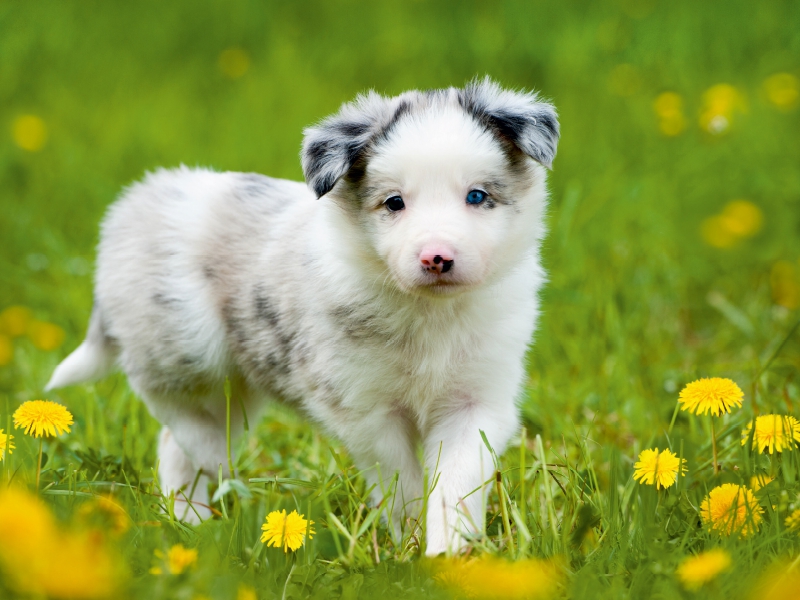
{"x":177,"y":475}
{"x":193,"y":440}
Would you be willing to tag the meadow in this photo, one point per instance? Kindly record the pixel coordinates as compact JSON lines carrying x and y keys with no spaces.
{"x":673,"y":255}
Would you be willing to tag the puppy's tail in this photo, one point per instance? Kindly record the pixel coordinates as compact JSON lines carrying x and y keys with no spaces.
{"x":90,"y":361}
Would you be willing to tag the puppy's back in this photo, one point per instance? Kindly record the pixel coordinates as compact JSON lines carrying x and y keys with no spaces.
{"x":164,"y":249}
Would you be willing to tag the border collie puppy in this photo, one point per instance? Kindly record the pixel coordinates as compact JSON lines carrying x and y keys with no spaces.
{"x":391,"y":297}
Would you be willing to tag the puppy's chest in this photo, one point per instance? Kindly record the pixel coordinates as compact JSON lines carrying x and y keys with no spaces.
{"x":407,"y":359}
{"x":352,"y":353}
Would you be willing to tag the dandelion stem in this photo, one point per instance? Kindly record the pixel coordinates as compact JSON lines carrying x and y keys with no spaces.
{"x":714,"y":445}
{"x":674,"y":416}
{"x":288,"y":578}
{"x":39,"y":464}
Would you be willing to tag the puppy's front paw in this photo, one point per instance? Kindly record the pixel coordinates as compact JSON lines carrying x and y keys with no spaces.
{"x":439,"y":549}
{"x":437,"y":542}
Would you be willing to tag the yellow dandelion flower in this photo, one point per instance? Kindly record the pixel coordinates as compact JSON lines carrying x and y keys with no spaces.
{"x":451,"y":578}
{"x":285,"y":530}
{"x":177,"y":560}
{"x":6,"y":350}
{"x":710,"y":394}
{"x":759,"y":481}
{"x":731,"y":508}
{"x":715,"y":233}
{"x":697,"y":570}
{"x":233,"y":62}
{"x":26,"y":525}
{"x":793,"y":520}
{"x":775,"y":433}
{"x":6,"y":444}
{"x":739,"y":219}
{"x":720,"y":102}
{"x":783,"y":90}
{"x":14,"y":320}
{"x":45,"y":336}
{"x":784,"y":586}
{"x":104,"y":509}
{"x":29,"y":132}
{"x":245,"y":592}
{"x":784,"y":281}
{"x":669,"y":109}
{"x":742,"y":218}
{"x":780,"y":582}
{"x":489,"y":577}
{"x":42,"y":417}
{"x":659,"y":469}
{"x":85,"y":567}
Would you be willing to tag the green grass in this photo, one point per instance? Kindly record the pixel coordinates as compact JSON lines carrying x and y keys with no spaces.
{"x":637,"y":305}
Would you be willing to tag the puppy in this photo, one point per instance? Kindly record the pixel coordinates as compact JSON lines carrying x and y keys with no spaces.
{"x":392,"y":298}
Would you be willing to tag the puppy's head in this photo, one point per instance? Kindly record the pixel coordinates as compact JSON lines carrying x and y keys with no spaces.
{"x":446,"y":186}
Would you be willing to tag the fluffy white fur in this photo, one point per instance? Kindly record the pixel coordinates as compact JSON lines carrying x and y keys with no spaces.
{"x":323,"y":303}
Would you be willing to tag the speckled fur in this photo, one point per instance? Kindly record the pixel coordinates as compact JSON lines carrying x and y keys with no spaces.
{"x":322,"y":302}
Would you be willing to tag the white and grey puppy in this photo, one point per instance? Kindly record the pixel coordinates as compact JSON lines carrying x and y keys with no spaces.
{"x":395,"y":311}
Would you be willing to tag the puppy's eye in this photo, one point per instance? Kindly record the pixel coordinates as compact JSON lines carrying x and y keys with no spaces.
{"x":476,"y":197}
{"x":394,"y":203}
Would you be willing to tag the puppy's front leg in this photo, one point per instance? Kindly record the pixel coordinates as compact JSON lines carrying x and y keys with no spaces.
{"x":382,"y":443}
{"x":456,"y":454}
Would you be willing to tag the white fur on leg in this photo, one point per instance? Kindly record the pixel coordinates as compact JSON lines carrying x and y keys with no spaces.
{"x":383,"y":444}
{"x":197,"y":426}
{"x":456,"y":505}
{"x":176,"y":475}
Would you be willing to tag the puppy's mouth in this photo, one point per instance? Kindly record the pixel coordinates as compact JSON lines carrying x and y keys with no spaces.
{"x":426,"y":283}
{"x":441,"y":285}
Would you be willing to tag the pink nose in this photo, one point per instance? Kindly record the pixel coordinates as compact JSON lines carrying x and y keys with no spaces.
{"x":436,"y":259}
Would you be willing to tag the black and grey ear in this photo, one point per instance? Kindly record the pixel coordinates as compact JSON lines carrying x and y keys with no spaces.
{"x":332,"y":147}
{"x":531,"y":125}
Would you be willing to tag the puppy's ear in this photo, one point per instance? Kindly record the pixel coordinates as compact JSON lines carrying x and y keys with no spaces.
{"x":332,"y":147}
{"x":531,"y":125}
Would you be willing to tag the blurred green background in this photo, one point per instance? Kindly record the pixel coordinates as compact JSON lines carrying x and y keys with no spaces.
{"x":673,"y":250}
{"x":674,"y":243}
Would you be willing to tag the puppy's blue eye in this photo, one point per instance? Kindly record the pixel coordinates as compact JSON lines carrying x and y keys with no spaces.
{"x":395,"y":203}
{"x":476,"y":197}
